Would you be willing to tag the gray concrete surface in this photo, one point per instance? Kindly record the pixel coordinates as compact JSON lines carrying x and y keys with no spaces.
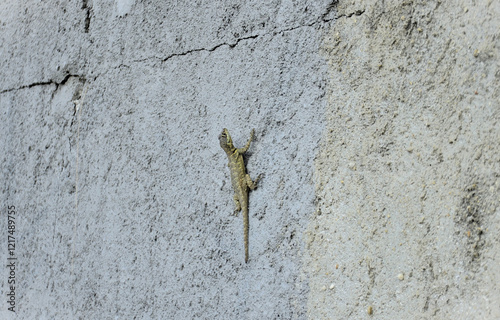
{"x":376,"y":129}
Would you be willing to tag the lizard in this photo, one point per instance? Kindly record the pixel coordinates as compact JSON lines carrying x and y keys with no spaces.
{"x":240,"y":179}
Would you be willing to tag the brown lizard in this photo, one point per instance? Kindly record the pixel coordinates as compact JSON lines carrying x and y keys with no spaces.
{"x":240,"y":180}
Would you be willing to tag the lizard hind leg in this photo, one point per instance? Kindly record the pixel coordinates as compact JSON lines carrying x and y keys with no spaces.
{"x":252,"y":184}
{"x":237,"y":205}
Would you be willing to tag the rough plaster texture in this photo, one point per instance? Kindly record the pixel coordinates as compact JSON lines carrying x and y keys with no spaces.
{"x":376,"y":129}
{"x":408,"y":176}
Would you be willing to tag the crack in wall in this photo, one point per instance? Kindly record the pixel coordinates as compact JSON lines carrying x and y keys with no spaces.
{"x":325,"y":18}
{"x":231,"y":45}
{"x":86,"y":8}
{"x":330,"y":9}
{"x":188,"y":52}
{"x":349,"y":15}
{"x":43,"y":83}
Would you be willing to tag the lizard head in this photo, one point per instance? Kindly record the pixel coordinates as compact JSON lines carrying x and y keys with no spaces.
{"x":225,"y":140}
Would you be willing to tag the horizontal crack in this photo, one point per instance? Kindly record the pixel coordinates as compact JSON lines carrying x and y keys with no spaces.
{"x":322,"y":19}
{"x":355,"y":13}
{"x":231,"y":45}
{"x":31,"y":85}
{"x":304,"y":25}
{"x":40,"y":83}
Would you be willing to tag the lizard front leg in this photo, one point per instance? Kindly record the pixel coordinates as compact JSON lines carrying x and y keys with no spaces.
{"x":245,"y":148}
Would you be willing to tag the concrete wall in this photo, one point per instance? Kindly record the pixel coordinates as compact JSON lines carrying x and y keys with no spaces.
{"x":376,"y":130}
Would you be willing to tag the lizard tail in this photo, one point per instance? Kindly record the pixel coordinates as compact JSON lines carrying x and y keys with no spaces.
{"x":245,"y":230}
